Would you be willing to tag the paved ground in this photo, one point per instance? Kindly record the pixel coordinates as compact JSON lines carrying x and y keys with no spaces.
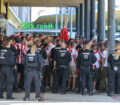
{"x":69,"y":97}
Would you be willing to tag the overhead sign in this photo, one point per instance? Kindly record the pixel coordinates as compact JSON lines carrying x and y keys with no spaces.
{"x":38,"y":26}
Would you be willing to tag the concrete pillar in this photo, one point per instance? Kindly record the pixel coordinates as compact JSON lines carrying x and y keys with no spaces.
{"x":87,"y":19}
{"x":93,"y":18}
{"x":70,"y":21}
{"x":101,"y":19}
{"x":61,"y":18}
{"x":77,"y":21}
{"x":111,"y":24}
{"x":81,"y":20}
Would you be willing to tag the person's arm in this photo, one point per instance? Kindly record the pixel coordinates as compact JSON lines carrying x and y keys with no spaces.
{"x":103,"y":60}
{"x":74,"y":57}
{"x":54,"y":62}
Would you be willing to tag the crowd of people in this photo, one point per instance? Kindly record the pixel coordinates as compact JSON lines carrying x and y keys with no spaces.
{"x":76,"y":65}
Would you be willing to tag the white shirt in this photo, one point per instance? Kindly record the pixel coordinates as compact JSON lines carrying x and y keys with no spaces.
{"x":104,"y":54}
{"x":47,"y":60}
{"x":74,"y":52}
{"x":96,"y":64}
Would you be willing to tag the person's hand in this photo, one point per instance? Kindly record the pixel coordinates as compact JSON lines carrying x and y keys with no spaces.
{"x":15,"y":67}
{"x":54,"y":68}
{"x":101,"y":69}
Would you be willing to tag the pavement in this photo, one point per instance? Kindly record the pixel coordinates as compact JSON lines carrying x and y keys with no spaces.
{"x":55,"y":98}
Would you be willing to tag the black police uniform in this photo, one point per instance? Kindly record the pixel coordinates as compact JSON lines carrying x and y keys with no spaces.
{"x":15,"y":85}
{"x":32,"y":62}
{"x":42,"y":52}
{"x":85,"y":60}
{"x":53,"y":72}
{"x":53,"y":51}
{"x":62,"y":58}
{"x":7,"y":62}
{"x":114,"y":72}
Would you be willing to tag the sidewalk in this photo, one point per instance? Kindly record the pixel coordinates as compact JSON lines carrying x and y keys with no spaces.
{"x":69,"y":97}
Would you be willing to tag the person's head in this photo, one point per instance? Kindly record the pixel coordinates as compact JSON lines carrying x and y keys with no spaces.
{"x":12,"y":42}
{"x":22,"y":34}
{"x":117,"y":45}
{"x":37,"y":41}
{"x":58,"y":41}
{"x":6,"y":43}
{"x":78,"y":48}
{"x":23,"y":40}
{"x":29,"y":44}
{"x":49,"y":39}
{"x":33,"y":48}
{"x":102,"y":47}
{"x":46,"y":46}
{"x":63,"y":44}
{"x":72,"y":45}
{"x":94,"y":47}
{"x":87,"y":45}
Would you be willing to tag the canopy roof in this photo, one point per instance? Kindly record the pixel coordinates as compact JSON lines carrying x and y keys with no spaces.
{"x":46,"y":3}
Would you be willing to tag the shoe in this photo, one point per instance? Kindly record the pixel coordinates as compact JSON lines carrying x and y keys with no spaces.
{"x":68,"y":89}
{"x":10,"y":98}
{"x":84,"y":93}
{"x":25,"y":99}
{"x":54,"y":91}
{"x":73,"y":90}
{"x":39,"y":99}
{"x":90,"y":93}
{"x":94,"y":91}
{"x":1,"y":97}
{"x":47,"y":88}
{"x":63,"y":93}
{"x":110,"y":94}
{"x":78,"y":91}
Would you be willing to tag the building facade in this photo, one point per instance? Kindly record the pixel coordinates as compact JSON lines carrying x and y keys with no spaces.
{"x":20,"y":14}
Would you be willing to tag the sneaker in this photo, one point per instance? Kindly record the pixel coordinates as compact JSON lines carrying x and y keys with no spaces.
{"x":62,"y":93}
{"x":73,"y":90}
{"x":25,"y":99}
{"x":10,"y":98}
{"x":110,"y":94}
{"x":94,"y":91}
{"x":47,"y":88}
{"x":1,"y":97}
{"x":90,"y":93}
{"x":39,"y":99}
{"x":84,"y":93}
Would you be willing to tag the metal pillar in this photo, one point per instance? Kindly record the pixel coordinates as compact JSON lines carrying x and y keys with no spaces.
{"x":101,"y":19}
{"x":87,"y":19}
{"x":93,"y":18}
{"x":111,"y":24}
{"x":81,"y":20}
{"x":61,"y":18}
{"x":56,"y":23}
{"x":77,"y":21}
{"x":70,"y":21}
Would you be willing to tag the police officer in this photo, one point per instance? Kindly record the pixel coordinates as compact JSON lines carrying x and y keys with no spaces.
{"x":114,"y":71}
{"x":33,"y":61}
{"x":7,"y":62}
{"x":53,"y":51}
{"x":39,"y":49}
{"x":85,"y":60}
{"x":62,"y":60}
